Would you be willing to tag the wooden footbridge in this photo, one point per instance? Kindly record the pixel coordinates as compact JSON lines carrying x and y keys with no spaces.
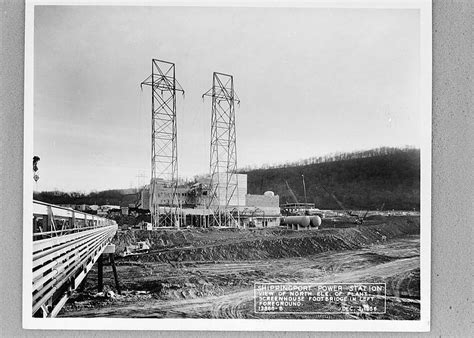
{"x":66,"y":244}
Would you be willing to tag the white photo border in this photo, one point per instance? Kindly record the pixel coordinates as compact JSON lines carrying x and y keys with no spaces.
{"x":423,"y":324}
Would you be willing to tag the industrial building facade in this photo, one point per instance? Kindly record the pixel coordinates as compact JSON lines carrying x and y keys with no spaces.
{"x":192,"y":204}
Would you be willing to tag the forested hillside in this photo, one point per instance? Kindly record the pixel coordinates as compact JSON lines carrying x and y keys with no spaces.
{"x":387,"y":177}
{"x":372,"y":179}
{"x":113,"y":197}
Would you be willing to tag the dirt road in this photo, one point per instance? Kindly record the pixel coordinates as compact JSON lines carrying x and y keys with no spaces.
{"x":224,"y":289}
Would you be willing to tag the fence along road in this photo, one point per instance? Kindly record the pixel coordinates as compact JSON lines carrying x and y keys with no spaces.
{"x":66,"y":244}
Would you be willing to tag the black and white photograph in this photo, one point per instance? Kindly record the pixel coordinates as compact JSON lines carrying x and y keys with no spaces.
{"x":227,"y":166}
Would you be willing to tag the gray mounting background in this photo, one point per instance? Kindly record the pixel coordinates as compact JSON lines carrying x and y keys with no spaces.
{"x":452,"y":181}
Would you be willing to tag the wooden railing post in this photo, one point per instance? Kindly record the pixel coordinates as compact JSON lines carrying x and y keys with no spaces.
{"x":114,"y":268}
{"x":100,"y":274}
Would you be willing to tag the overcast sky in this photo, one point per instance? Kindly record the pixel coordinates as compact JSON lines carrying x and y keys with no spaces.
{"x":311,"y":82}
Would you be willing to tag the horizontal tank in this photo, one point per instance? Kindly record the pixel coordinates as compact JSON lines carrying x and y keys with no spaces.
{"x":315,"y":221}
{"x":269,"y":193}
{"x":299,"y":220}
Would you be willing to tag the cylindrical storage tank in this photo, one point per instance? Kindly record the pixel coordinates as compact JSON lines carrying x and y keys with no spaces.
{"x":315,"y":221}
{"x":269,"y":193}
{"x":297,"y":220}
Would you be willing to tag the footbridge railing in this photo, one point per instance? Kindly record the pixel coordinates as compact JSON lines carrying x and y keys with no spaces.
{"x":66,"y":244}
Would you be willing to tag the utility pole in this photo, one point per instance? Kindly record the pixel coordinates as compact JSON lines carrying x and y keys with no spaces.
{"x":223,"y":148}
{"x":139,"y":181}
{"x":164,"y":149}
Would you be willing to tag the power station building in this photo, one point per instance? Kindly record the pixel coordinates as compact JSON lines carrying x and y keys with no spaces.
{"x":219,"y":200}
{"x":192,"y":203}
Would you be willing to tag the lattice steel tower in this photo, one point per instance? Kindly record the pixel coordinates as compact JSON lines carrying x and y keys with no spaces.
{"x":164,"y":150}
{"x":223,"y":157}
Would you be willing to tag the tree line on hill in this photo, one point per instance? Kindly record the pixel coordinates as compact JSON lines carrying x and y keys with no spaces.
{"x":111,"y":197}
{"x":387,"y":178}
{"x":334,"y":157}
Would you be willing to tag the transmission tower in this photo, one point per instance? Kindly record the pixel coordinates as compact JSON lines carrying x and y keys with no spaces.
{"x":223,"y":155}
{"x":164,"y":151}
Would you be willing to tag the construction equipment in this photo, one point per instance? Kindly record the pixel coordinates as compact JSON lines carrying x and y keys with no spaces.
{"x":358,"y":218}
{"x":300,"y":209}
{"x":136,"y":249}
{"x":304,"y":189}
{"x":291,"y":192}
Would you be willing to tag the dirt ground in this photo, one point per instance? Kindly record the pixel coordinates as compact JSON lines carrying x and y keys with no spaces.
{"x":210,"y":273}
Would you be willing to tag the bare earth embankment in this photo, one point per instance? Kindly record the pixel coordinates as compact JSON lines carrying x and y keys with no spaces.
{"x":210,"y":273}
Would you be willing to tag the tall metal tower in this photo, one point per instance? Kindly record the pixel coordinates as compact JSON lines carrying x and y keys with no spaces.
{"x":164,"y":151}
{"x":223,"y":157}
